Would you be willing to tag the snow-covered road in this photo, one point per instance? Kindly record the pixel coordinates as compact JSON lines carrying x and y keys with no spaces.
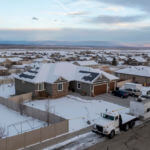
{"x":79,"y":142}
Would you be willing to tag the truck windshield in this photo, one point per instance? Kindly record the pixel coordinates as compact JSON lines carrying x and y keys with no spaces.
{"x":108,"y":117}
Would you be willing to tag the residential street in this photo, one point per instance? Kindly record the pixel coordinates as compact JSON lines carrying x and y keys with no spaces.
{"x":135,"y":139}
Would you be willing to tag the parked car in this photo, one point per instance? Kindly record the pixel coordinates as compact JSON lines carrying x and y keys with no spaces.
{"x":121,"y":93}
{"x":144,"y":97}
{"x":133,"y":86}
{"x":134,"y":92}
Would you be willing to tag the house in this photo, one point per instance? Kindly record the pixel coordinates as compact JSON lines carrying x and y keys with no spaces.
{"x":136,"y":60}
{"x":57,"y":79}
{"x":138,"y":74}
{"x":122,"y":58}
{"x":3,"y":71}
{"x":19,"y":68}
{"x":10,"y":61}
{"x":105,"y":59}
{"x":90,"y":63}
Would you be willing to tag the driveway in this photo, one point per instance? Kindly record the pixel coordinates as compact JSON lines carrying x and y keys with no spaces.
{"x":109,"y":98}
{"x":114,"y":99}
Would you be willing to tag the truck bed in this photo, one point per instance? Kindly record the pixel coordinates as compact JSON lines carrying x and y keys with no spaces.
{"x":126,"y":118}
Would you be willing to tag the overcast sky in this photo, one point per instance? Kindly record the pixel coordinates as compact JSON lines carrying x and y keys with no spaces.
{"x":75,"y":20}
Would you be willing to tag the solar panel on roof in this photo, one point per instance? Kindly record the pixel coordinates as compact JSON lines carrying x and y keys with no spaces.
{"x":26,"y":76}
{"x":31,"y":71}
{"x":91,"y":75}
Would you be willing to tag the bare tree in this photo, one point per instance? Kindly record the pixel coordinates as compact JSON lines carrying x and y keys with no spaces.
{"x":114,"y":62}
{"x":88,"y":116}
{"x":21,"y":106}
{"x":47,"y":106}
{"x":2,"y":132}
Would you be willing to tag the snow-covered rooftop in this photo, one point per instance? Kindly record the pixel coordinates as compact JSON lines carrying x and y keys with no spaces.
{"x":138,"y":58}
{"x":3,"y":68}
{"x":50,"y":72}
{"x":108,"y":58}
{"x":122,"y":57}
{"x":12,"y":59}
{"x":87,"y":63}
{"x":136,"y":70}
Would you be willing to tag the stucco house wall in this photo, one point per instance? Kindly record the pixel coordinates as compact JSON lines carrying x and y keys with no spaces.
{"x":137,"y":79}
{"x":22,"y":87}
{"x":85,"y":88}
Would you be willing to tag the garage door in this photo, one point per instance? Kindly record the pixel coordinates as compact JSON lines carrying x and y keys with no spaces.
{"x":100,"y":89}
{"x":112,"y":86}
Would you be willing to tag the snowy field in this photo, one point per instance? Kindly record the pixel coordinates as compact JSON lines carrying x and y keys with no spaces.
{"x":13,"y":123}
{"x":6,"y":90}
{"x":77,"y":110}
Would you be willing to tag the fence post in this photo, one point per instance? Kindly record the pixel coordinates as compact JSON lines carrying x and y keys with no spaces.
{"x":40,"y":138}
{"x":24,"y":140}
{"x":6,"y":143}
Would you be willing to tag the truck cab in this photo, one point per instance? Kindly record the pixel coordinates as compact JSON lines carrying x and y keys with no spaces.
{"x":110,"y":123}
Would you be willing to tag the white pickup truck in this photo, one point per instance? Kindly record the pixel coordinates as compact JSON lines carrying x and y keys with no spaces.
{"x":133,"y":89}
{"x":110,"y":123}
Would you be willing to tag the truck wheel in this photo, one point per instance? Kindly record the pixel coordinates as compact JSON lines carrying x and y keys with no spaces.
{"x":131,"y":125}
{"x":112,"y":134}
{"x":126,"y":127}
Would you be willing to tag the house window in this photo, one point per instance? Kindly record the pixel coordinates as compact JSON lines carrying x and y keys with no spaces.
{"x":78,"y":86}
{"x":60,"y":86}
{"x":40,"y":86}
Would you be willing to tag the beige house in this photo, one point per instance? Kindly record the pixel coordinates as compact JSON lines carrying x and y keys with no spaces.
{"x":89,"y":63}
{"x":3,"y":71}
{"x":138,"y":74}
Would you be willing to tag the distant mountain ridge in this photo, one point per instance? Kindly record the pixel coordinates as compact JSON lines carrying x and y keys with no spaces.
{"x":105,"y":44}
{"x":65,"y":43}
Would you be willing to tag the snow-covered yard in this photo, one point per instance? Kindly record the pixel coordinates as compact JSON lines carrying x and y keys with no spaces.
{"x":77,"y":110}
{"x":13,"y":123}
{"x":6,"y":90}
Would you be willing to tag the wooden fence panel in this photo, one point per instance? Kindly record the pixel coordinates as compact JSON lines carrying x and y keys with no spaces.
{"x":35,"y":136}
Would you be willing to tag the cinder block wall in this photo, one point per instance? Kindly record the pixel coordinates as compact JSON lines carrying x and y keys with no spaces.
{"x":32,"y":112}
